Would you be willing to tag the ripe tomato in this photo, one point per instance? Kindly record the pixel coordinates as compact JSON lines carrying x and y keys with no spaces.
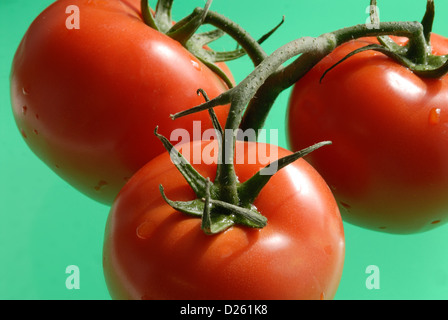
{"x":153,"y":252}
{"x":388,"y":164}
{"x":87,"y":100}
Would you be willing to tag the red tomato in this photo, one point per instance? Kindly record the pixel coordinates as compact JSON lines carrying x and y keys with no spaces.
{"x":87,"y":100}
{"x":388,"y":164}
{"x":153,"y":252}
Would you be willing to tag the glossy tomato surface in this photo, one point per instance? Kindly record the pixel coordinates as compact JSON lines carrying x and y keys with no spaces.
{"x":388,"y":164}
{"x":153,"y":252}
{"x":87,"y":100}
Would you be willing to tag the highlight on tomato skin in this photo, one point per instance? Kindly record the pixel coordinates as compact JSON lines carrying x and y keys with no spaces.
{"x":86,"y":100}
{"x":387,"y":166}
{"x":153,"y":252}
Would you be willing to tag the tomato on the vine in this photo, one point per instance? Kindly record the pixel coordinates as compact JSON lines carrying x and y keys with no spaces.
{"x":388,"y":164}
{"x":153,"y":252}
{"x":87,"y":99}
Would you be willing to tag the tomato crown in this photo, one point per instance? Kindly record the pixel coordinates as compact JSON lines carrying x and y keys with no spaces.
{"x":415,"y":55}
{"x":225,"y":202}
{"x":185,"y":30}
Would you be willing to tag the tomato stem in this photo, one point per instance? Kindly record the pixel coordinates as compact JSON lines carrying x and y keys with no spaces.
{"x":207,"y":225}
{"x":250,"y":46}
{"x":285,"y":76}
{"x":375,"y":20}
{"x":270,"y":78}
{"x":238,"y":97}
{"x":415,"y":55}
{"x":418,"y":49}
{"x":226,"y":201}
{"x":184,"y":32}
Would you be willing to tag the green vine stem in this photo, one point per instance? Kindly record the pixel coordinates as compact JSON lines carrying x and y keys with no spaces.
{"x":241,"y":36}
{"x":416,"y":56}
{"x":226,"y":201}
{"x":268,"y":77}
{"x":185,"y":32}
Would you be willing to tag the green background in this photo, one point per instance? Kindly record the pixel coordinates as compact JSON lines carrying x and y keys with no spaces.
{"x":46,"y":225}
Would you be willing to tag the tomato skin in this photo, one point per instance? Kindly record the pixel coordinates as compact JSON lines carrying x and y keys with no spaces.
{"x":87,"y":100}
{"x":153,"y":252}
{"x":388,"y":164}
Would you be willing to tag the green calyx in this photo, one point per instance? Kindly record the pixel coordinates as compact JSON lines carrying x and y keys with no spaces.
{"x":416,"y":55}
{"x":185,"y":32}
{"x":225,"y":202}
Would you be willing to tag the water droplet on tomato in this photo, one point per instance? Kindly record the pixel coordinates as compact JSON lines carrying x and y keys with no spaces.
{"x":434,"y":116}
{"x":196,"y":65}
{"x":435,"y":222}
{"x":23,"y":133}
{"x":24,"y":110}
{"x":145,"y":229}
{"x":36,"y":132}
{"x":25,"y":91}
{"x":101,"y":184}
